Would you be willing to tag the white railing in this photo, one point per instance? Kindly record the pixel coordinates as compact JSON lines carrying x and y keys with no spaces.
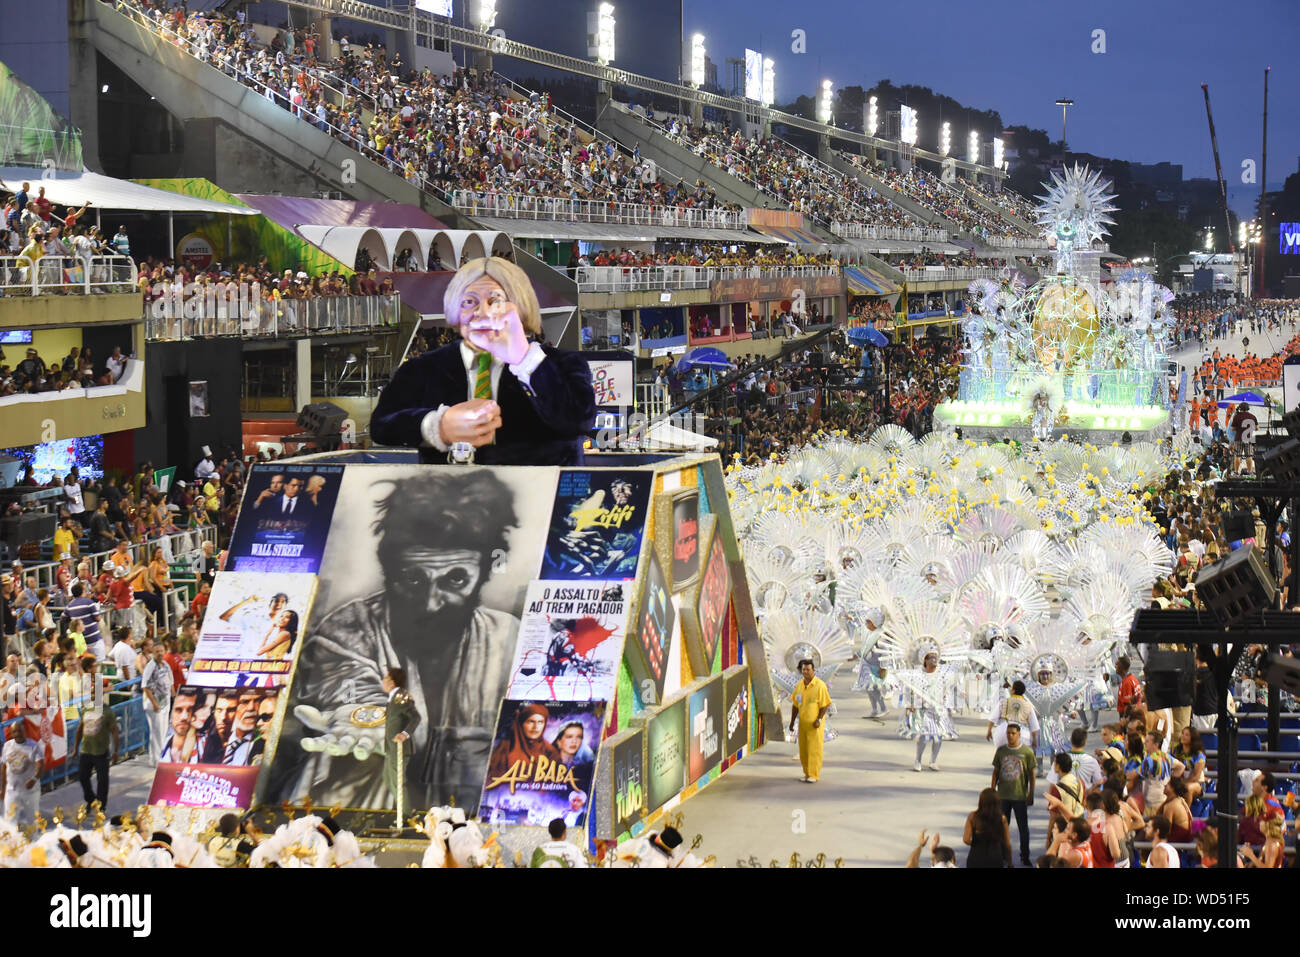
{"x":178,"y":547}
{"x":522,"y":206}
{"x":912,"y":234}
{"x":653,"y":278}
{"x":951,"y":273}
{"x":1016,"y":242}
{"x":66,"y":274}
{"x":238,"y":314}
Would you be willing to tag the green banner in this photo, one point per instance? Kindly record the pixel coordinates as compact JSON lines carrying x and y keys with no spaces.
{"x":252,"y":237}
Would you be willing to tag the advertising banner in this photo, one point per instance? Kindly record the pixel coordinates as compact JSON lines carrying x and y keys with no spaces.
{"x":543,"y":763}
{"x":251,"y":629}
{"x":665,"y":754}
{"x":614,"y":382}
{"x":285,"y":518}
{"x":1290,"y":387}
{"x":192,"y":785}
{"x":705,"y":717}
{"x":596,"y":524}
{"x":735,"y":708}
{"x":570,"y":641}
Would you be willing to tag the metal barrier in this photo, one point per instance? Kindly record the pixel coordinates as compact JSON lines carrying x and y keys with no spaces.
{"x":952,"y":273}
{"x":206,"y":312}
{"x":913,"y":234}
{"x":525,"y":206}
{"x":1016,"y":242}
{"x":177,"y":548}
{"x":652,"y":278}
{"x":19,"y":276}
{"x":132,"y":731}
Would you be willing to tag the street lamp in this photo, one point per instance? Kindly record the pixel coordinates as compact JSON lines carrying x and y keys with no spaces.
{"x":769,"y":81}
{"x":697,"y":59}
{"x":1209,"y":239}
{"x":973,"y":147}
{"x":873,"y":117}
{"x":1064,"y":104}
{"x":945,"y":139}
{"x":825,"y":104}
{"x":997,"y":152}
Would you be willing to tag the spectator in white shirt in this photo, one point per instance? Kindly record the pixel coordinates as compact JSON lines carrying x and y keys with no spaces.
{"x":123,"y":654}
{"x":116,"y":364}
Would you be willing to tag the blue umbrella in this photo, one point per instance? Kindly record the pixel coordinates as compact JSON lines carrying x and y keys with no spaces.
{"x":706,"y":357}
{"x":866,"y":335}
{"x":1247,"y":397}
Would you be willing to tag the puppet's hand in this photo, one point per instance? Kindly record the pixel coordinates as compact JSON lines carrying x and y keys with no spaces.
{"x":356,"y":729}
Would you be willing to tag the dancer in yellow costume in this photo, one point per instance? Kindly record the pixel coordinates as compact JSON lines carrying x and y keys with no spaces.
{"x":811,"y":701}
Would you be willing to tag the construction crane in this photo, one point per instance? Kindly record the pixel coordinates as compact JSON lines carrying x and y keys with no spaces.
{"x":1218,"y":169}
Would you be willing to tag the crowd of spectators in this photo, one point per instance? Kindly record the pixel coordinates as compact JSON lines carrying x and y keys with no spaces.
{"x":467,"y":131}
{"x":705,"y":254}
{"x":61,"y":248}
{"x":776,"y":406}
{"x":1008,"y":200}
{"x":77,"y":370}
{"x":789,"y":176}
{"x":927,"y":189}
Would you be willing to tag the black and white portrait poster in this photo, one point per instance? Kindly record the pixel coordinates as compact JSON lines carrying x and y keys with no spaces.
{"x":424,"y":569}
{"x":570,"y":641}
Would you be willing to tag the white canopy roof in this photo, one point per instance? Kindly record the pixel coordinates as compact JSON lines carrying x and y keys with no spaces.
{"x":386,"y":244}
{"x":72,"y":189}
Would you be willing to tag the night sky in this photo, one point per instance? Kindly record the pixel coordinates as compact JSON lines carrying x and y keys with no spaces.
{"x":1140,"y":100}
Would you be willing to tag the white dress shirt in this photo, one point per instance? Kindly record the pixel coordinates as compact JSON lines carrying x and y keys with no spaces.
{"x":523,"y":371}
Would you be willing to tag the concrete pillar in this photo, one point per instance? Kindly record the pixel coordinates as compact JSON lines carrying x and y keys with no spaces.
{"x":83,"y":85}
{"x":302,"y":373}
{"x":824,"y":147}
{"x":482,"y":61}
{"x":697,"y":113}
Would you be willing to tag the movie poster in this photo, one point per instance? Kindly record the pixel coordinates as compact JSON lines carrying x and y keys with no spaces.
{"x":596,"y":524}
{"x":705,"y":725}
{"x":285,"y":518}
{"x":647,"y":655}
{"x":217,"y":739}
{"x":427,"y":569}
{"x":677,"y":534}
{"x":622,"y":783}
{"x":543,"y":762}
{"x":714,"y":601}
{"x":193,"y":785}
{"x":735,"y":705}
{"x":570,"y":641}
{"x":665,"y":754}
{"x":252,"y":628}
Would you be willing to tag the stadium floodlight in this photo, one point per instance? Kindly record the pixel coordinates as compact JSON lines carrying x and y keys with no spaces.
{"x":945,"y":139}
{"x":769,"y":81}
{"x":825,"y":104}
{"x":997,"y":152}
{"x":973,"y":147}
{"x":487,"y":15}
{"x":697,"y":59}
{"x":908,"y":125}
{"x":873,"y":117}
{"x":753,"y":75}
{"x":600,"y":26}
